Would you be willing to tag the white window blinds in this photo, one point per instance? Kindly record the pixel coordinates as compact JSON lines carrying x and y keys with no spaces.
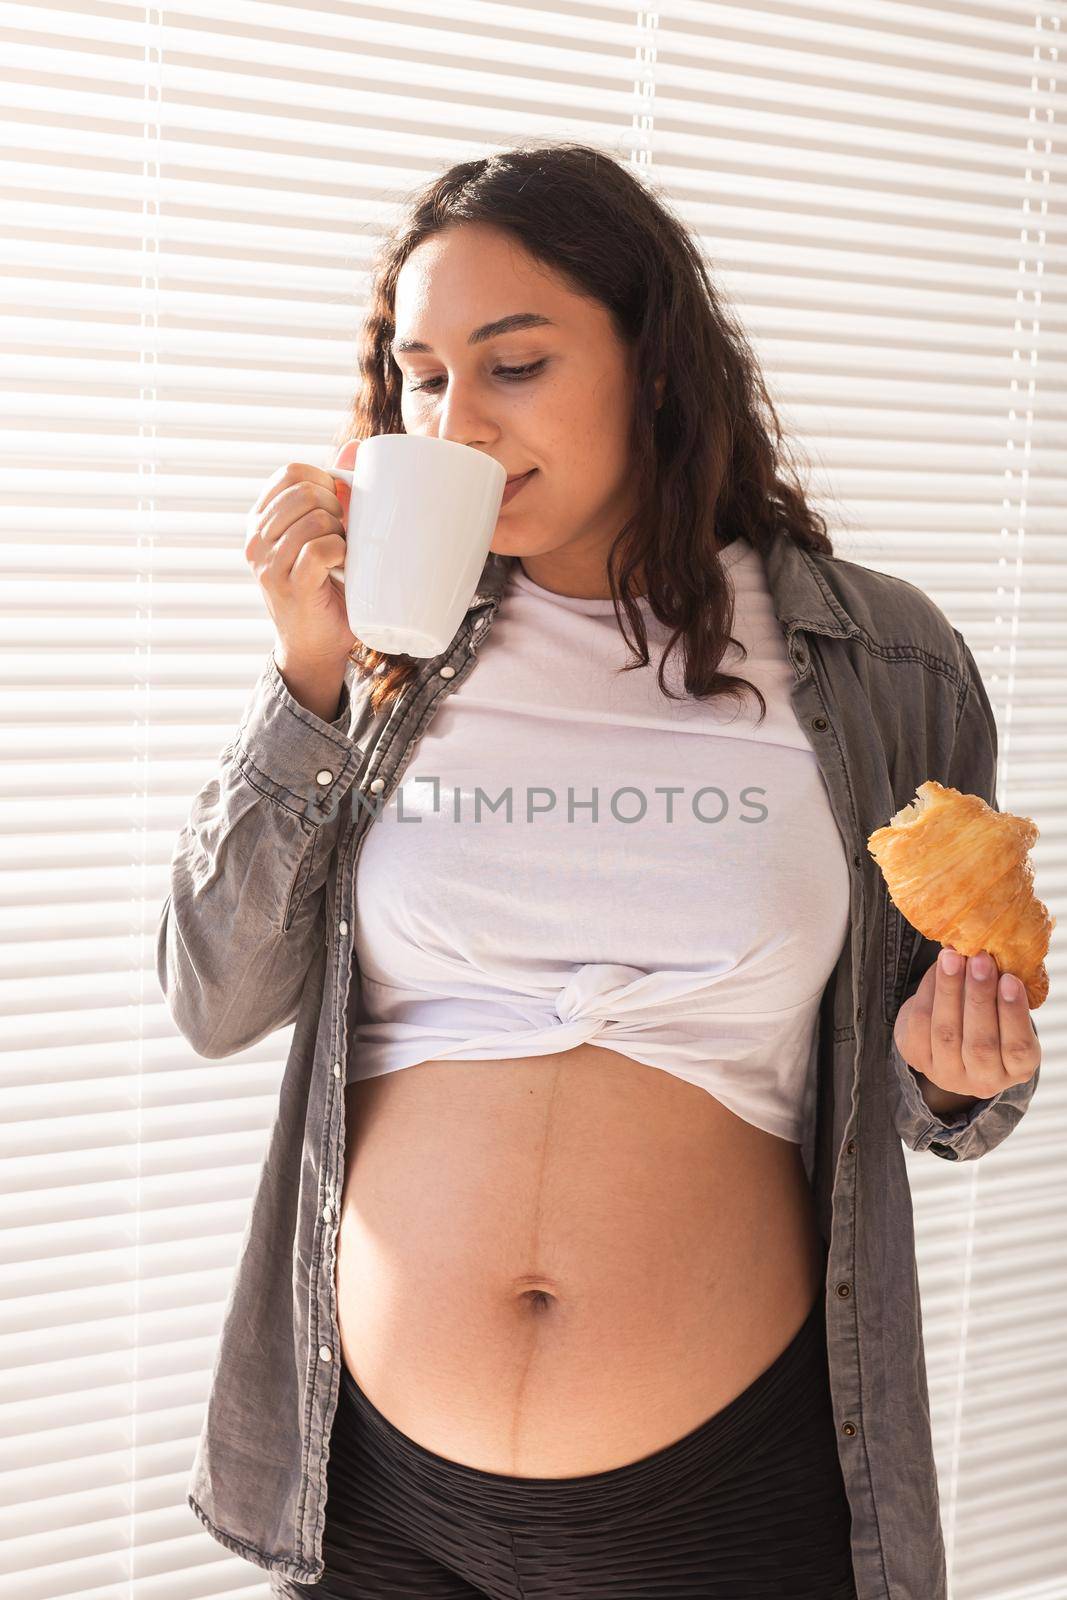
{"x":190,"y":196}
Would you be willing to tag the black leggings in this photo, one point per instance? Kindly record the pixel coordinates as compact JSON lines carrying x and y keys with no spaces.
{"x":749,"y":1505}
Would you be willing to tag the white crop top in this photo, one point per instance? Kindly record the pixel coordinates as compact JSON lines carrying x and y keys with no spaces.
{"x":498,"y":915}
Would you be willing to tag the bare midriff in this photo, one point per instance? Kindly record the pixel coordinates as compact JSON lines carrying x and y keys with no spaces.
{"x":553,"y":1266}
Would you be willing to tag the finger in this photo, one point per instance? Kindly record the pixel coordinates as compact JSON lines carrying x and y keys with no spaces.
{"x":926,"y":986}
{"x":981,"y":1027}
{"x":309,"y":531}
{"x":911,"y":1029}
{"x":1020,"y":1048}
{"x":946,"y":1018}
{"x":292,"y":475}
{"x":345,"y":457}
{"x":298,"y":501}
{"x":315,"y":558}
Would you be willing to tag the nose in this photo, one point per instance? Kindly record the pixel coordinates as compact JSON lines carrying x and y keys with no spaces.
{"x":460,"y":421}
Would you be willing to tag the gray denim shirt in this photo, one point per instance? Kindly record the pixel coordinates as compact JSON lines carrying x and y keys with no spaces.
{"x":257,"y":932}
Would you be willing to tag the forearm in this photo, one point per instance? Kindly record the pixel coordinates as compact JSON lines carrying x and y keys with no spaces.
{"x":317,"y":689}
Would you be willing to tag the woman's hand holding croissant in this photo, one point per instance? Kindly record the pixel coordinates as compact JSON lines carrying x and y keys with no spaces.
{"x":961,"y":1031}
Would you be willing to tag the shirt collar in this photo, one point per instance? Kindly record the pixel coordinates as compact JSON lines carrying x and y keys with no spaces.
{"x":801,"y":595}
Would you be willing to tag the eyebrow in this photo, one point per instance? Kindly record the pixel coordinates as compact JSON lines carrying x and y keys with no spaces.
{"x":491,"y":330}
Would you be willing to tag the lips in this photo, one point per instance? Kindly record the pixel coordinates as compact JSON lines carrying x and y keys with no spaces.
{"x":515,"y":486}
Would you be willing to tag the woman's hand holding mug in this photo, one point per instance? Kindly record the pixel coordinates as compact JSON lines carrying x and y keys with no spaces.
{"x":294,"y":535}
{"x":419,"y":512}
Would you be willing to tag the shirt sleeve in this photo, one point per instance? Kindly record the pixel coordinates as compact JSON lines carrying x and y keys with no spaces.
{"x":972,"y":770}
{"x":245,"y":914}
{"x":973,"y":1133}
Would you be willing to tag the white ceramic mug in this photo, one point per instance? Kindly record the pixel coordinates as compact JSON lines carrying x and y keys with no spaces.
{"x":420,"y":522}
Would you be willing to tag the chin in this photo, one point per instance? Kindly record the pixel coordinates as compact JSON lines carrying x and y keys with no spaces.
{"x":506,"y":542}
{"x":512,"y":538}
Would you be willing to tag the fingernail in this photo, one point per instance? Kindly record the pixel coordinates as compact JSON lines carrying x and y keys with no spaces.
{"x":982,"y":966}
{"x":1010,"y":987}
{"x":950,"y":961}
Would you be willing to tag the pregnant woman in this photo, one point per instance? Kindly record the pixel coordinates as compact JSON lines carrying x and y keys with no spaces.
{"x":578,"y":1274}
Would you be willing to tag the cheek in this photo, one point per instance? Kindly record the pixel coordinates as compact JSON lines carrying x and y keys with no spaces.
{"x":599,"y":452}
{"x":601,"y":425}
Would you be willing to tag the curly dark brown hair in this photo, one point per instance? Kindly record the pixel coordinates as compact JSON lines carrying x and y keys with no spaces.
{"x":706,"y":467}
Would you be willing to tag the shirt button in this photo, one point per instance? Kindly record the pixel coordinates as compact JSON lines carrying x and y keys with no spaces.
{"x":447,"y":672}
{"x":819,"y":723}
{"x":337,"y":1069}
{"x":327,"y":1212}
{"x":325,"y":1353}
{"x":479,"y":622}
{"x":843,"y":1291}
{"x":324,"y":776}
{"x":377,"y":786}
{"x":342,"y":928}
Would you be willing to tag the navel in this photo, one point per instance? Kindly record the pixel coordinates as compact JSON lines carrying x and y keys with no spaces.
{"x":536,"y":1291}
{"x":538,"y":1300}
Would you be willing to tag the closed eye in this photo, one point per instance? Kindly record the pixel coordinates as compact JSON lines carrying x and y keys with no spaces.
{"x":512,"y":374}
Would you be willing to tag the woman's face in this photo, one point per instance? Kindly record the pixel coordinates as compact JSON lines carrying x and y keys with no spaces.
{"x":568,"y":418}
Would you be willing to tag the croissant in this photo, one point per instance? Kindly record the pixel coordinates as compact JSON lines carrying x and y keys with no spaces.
{"x":958,"y":871}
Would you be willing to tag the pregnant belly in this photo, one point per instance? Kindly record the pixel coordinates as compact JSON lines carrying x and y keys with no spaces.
{"x":554,"y":1266}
